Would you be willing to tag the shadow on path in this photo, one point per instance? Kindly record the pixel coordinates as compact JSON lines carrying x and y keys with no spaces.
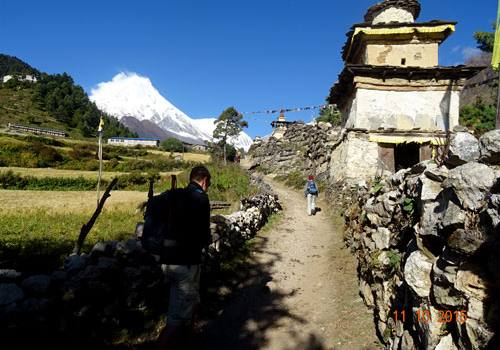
{"x":253,"y":308}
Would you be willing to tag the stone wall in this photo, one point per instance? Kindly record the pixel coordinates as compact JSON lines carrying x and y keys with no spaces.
{"x":428,"y":246}
{"x":304,"y":148}
{"x":115,"y":292}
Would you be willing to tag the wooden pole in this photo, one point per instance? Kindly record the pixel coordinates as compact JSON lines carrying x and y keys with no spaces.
{"x":88,"y":226}
{"x":173,"y":184}
{"x":99,"y":154}
{"x":497,"y":123}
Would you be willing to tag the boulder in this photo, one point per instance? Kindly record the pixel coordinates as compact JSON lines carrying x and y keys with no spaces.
{"x":75,"y":263}
{"x":466,"y":241}
{"x":454,"y":217}
{"x":446,"y":343}
{"x":430,"y":189}
{"x":443,"y":290}
{"x":436,"y":173}
{"x":470,"y":283}
{"x":417,"y":273}
{"x":10,"y":293}
{"x":37,"y":284}
{"x":8,"y":275}
{"x":464,"y":147}
{"x":471,"y":183}
{"x":489,"y":147}
{"x":478,"y":334}
{"x":382,"y":238}
{"x":429,"y":333}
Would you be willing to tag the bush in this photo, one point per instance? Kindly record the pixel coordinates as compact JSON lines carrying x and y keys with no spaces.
{"x":172,"y":145}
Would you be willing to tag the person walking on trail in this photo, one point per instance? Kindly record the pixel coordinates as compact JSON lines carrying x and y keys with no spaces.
{"x":182,"y":263}
{"x":311,"y":192}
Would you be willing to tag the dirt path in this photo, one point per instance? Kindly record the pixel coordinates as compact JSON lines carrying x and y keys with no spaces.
{"x":301,"y":291}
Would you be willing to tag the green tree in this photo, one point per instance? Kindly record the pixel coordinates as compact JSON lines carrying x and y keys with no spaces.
{"x":330,"y":115}
{"x":229,"y":124}
{"x":485,"y":40}
{"x":478,"y":116}
{"x":172,"y":145}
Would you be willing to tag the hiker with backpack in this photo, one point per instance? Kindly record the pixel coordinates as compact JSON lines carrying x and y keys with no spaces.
{"x":176,"y":229}
{"x":311,"y":192}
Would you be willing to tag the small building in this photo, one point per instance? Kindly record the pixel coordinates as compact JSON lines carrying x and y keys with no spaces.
{"x":280,"y":126}
{"x":195,"y":146}
{"x":37,"y":131}
{"x":397,"y":102}
{"x":28,"y":78}
{"x":131,"y":141}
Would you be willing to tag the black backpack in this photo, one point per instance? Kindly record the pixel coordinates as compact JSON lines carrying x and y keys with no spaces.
{"x":160,"y":217}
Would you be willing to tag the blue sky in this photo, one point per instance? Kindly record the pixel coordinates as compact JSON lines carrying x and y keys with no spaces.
{"x":203,"y":55}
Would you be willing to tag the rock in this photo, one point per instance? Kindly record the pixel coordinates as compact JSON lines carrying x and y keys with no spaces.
{"x":417,"y":273}
{"x":382,"y":238}
{"x":444,"y":293}
{"x":102,"y":249}
{"x":105,"y":263}
{"x":475,"y":309}
{"x":10,"y":293}
{"x":489,"y":147}
{"x":471,"y":182}
{"x":419,"y":168}
{"x":430,"y":219}
{"x":436,"y":173}
{"x":466,"y":241}
{"x":407,"y":342}
{"x":38,"y":284}
{"x":454,"y":217}
{"x":75,"y":263}
{"x":430,"y":189}
{"x":399,"y":177}
{"x":446,"y":343}
{"x":429,"y":333}
{"x":471,"y":283}
{"x":493,"y":210}
{"x":464,"y":147}
{"x":8,"y":275}
{"x":366,"y":292}
{"x":479,"y":335}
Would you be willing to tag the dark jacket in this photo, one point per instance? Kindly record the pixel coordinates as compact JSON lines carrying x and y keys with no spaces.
{"x":191,"y":222}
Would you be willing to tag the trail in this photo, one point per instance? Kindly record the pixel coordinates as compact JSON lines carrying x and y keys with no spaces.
{"x":300,"y":292}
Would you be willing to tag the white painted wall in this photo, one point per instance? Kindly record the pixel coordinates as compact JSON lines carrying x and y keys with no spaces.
{"x":404,"y":110}
{"x":354,"y":160}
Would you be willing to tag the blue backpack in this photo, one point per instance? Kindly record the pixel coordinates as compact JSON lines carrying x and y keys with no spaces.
{"x":311,"y":188}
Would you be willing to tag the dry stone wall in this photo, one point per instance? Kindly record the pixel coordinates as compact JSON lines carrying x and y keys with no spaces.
{"x":116,"y":291}
{"x":304,"y":148}
{"x":427,"y":240}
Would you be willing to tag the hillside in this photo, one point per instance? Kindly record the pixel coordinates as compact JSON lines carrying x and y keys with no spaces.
{"x":10,"y":65}
{"x":54,"y":101}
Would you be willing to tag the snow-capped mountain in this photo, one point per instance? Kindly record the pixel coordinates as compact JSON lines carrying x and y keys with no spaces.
{"x":129,"y":94}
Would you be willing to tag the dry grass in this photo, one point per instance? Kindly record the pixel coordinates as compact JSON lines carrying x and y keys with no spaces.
{"x":66,"y":202}
{"x":50,"y":172}
{"x":191,"y":157}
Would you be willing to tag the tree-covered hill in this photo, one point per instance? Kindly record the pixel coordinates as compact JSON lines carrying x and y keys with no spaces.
{"x":54,"y":101}
{"x":11,"y":65}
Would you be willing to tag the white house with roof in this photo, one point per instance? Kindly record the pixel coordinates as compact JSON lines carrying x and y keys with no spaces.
{"x":132,"y":141}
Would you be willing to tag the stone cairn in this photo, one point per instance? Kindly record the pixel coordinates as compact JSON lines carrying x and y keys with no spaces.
{"x":116,"y":291}
{"x":427,"y":240}
{"x":304,"y":147}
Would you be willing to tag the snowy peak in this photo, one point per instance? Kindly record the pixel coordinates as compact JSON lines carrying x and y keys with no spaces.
{"x":129,"y":94}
